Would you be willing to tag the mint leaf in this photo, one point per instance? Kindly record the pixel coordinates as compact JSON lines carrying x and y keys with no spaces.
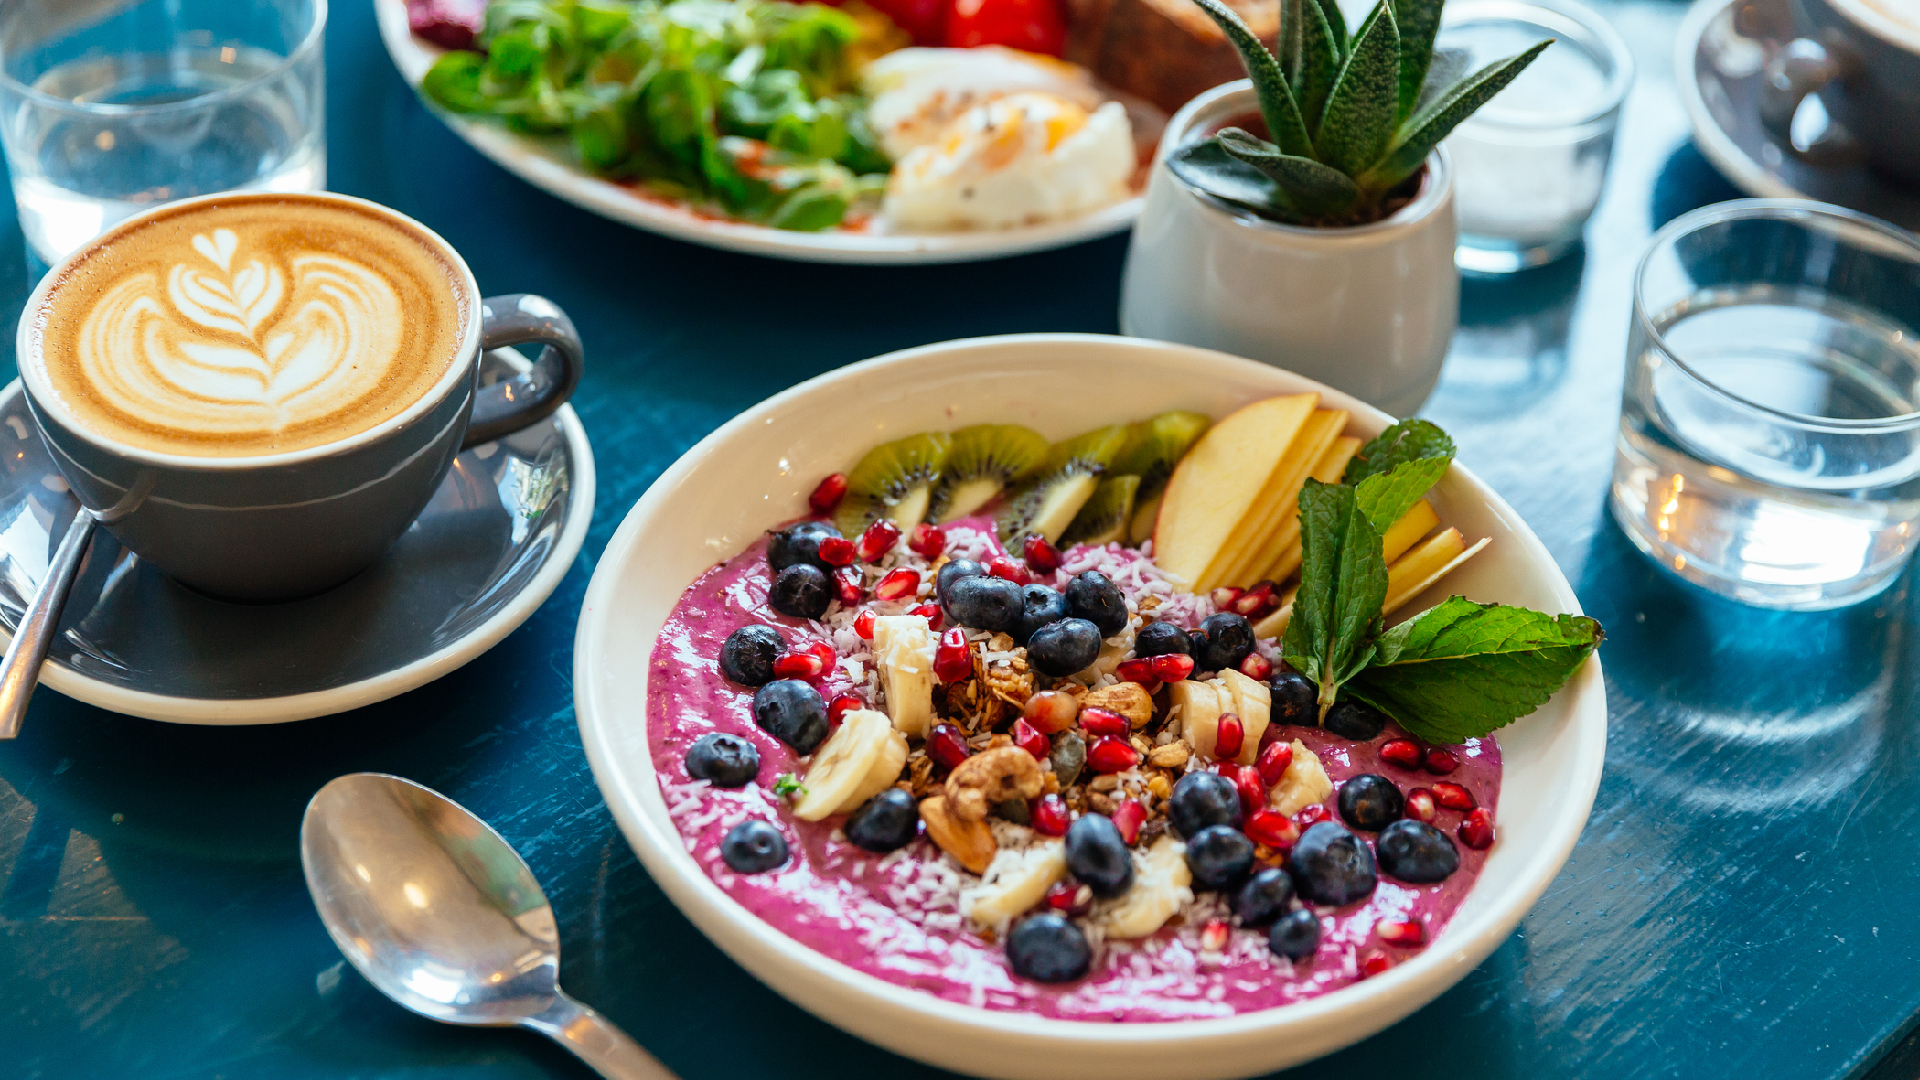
{"x":787,"y":786}
{"x":1386,"y":497}
{"x":1461,"y":669}
{"x":1343,"y":584}
{"x":1408,"y":440}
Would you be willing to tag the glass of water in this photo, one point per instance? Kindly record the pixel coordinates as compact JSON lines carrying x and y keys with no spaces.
{"x":109,"y":107}
{"x":1770,"y":430}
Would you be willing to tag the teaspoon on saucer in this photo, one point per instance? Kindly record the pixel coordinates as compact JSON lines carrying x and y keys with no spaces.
{"x":442,"y":915}
{"x":20,"y":669}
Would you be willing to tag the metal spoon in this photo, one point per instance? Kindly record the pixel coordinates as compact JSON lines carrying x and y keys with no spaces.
{"x":441,"y":914}
{"x":20,"y":669}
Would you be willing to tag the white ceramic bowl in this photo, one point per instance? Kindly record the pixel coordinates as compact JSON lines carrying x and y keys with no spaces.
{"x":757,"y":470}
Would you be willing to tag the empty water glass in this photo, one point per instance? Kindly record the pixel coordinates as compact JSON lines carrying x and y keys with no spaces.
{"x":109,"y":107}
{"x":1770,"y":431}
{"x":1529,"y":167}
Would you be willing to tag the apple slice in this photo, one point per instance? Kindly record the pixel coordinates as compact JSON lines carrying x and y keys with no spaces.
{"x":1402,"y":534}
{"x":1239,"y":563}
{"x":1281,"y":555}
{"x":1426,"y":564}
{"x":1217,"y":483}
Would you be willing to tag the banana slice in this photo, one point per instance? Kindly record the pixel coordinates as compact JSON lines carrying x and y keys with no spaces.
{"x":1201,"y":704}
{"x":1162,"y":885}
{"x":1014,"y":882}
{"x":1253,"y":703}
{"x":1304,"y":784}
{"x":903,"y":651}
{"x":855,"y":763}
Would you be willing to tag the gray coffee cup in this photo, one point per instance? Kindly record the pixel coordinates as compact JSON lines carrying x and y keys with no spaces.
{"x":286,"y":525}
{"x":1864,"y":63}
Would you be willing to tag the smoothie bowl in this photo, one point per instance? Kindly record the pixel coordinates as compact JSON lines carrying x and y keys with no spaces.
{"x":1013,"y":792}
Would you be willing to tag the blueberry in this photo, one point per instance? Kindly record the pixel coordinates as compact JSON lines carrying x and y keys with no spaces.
{"x":798,"y":543}
{"x":1097,"y":600}
{"x":1371,"y":802}
{"x":1196,"y":645}
{"x":953,"y":571}
{"x":1264,"y":898}
{"x":753,"y":847}
{"x":888,"y":822}
{"x":1295,"y":936}
{"x":1229,"y":640}
{"x":1354,"y":720}
{"x":1202,"y":799}
{"x":1332,"y":866}
{"x":1049,"y":949}
{"x":1159,"y":639}
{"x":1062,"y":648}
{"x":1417,"y":852}
{"x":1295,"y":699}
{"x":726,"y":760}
{"x":791,"y":711}
{"x":1220,"y":857}
{"x":984,"y":603}
{"x":748,"y":654}
{"x":802,"y":591}
{"x":1098,"y":856}
{"x":1039,"y":606}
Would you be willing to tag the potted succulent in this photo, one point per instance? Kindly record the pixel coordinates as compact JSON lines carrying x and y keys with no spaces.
{"x":1324,"y":243}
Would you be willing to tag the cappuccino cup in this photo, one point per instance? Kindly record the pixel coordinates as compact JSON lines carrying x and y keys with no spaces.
{"x":259,"y":393}
{"x":1862,"y":57}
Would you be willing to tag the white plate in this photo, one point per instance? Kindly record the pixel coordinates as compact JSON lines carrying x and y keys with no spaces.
{"x":757,"y":470}
{"x":547,"y":165}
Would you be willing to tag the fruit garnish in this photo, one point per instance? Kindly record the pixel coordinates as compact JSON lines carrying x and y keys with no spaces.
{"x":893,"y":480}
{"x":897,"y":584}
{"x":1154,"y":447}
{"x":982,"y":460}
{"x":1477,"y":830}
{"x":927,"y":540}
{"x":1107,"y":514}
{"x":877,"y":540}
{"x":1046,"y":503}
{"x":951,"y":660}
{"x":828,"y":493}
{"x":1040,"y":556}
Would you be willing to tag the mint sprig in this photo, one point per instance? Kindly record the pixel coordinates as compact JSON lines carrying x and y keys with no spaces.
{"x":1408,"y":440}
{"x":1343,"y":585}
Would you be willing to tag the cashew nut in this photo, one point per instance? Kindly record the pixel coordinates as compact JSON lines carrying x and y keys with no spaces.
{"x":1129,"y":699}
{"x":970,"y":843}
{"x":997,"y":775}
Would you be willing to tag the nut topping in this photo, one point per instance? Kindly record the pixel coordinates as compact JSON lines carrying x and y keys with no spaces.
{"x":994,"y":776}
{"x":970,"y":843}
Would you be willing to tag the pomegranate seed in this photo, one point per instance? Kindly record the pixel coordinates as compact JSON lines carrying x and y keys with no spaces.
{"x":931,"y":613}
{"x":1225,"y":596}
{"x":1051,"y":712}
{"x":1405,"y":933}
{"x":1214,"y":937}
{"x":1227,"y":769}
{"x":1256,"y":601}
{"x":1028,"y":738}
{"x":1128,"y":817}
{"x":863,"y":624}
{"x":840,"y":706}
{"x":1420,"y":805}
{"x":1256,"y":667}
{"x":1402,"y":753}
{"x":1172,"y":667}
{"x":1229,"y":736}
{"x":877,"y":540}
{"x":824,"y":652}
{"x":846,"y":587}
{"x":1441,"y":762}
{"x":1452,"y":796}
{"x":1311,"y":816}
{"x":1253,"y":793}
{"x":1138,"y":670}
{"x":1111,"y":755}
{"x":1050,"y":815}
{"x":897,"y":584}
{"x":1097,"y":721}
{"x":1002,"y":566}
{"x":952,"y":661}
{"x":836,"y":551}
{"x":1041,"y":555}
{"x":1272,"y":828}
{"x":1274,"y":762}
{"x":828,"y":494}
{"x":1067,"y":897}
{"x":798,"y":664}
{"x":1477,"y":831}
{"x":927,"y":540}
{"x":1374,"y":963}
{"x":947,"y":746}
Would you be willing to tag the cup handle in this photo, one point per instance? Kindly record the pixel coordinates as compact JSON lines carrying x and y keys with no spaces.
{"x":524,"y":400}
{"x":1801,"y":67}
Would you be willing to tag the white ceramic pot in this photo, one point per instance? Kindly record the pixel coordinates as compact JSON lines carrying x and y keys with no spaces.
{"x":1369,"y":310}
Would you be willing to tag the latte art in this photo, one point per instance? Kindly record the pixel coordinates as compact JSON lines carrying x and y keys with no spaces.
{"x":241,"y":329}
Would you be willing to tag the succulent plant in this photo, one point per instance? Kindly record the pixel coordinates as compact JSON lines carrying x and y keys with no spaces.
{"x":1352,"y":117}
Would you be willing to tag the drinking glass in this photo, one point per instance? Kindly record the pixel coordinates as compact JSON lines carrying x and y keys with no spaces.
{"x":109,"y":107}
{"x":1531,"y":164}
{"x":1769,"y":442}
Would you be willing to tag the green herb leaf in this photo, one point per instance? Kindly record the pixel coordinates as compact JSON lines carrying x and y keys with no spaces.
{"x":1385,"y":497}
{"x":1343,"y":584}
{"x":1277,"y":106}
{"x":787,"y":786}
{"x":1461,"y":669}
{"x":1408,"y":440}
{"x":1419,"y":21}
{"x":1361,"y":111}
{"x":1319,"y":67}
{"x":1310,"y":186}
{"x":453,"y":82}
{"x":1435,"y":122}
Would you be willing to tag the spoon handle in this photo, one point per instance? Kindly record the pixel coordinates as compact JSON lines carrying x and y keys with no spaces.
{"x":20,"y":670}
{"x":595,"y":1040}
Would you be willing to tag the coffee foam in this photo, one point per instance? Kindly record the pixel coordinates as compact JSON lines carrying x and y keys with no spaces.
{"x":248,"y":326}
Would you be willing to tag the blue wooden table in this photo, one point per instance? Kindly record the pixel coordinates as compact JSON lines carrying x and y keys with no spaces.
{"x":1743,"y":901}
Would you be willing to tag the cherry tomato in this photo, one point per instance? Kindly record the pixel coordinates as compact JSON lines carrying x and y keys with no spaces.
{"x":925,"y":21}
{"x":1034,"y":25}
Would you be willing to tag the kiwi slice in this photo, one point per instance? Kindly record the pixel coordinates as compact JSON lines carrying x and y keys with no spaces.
{"x":894,"y":480}
{"x":1107,"y":514}
{"x":1045,"y":503}
{"x":984,"y":459}
{"x":1153,"y":448}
